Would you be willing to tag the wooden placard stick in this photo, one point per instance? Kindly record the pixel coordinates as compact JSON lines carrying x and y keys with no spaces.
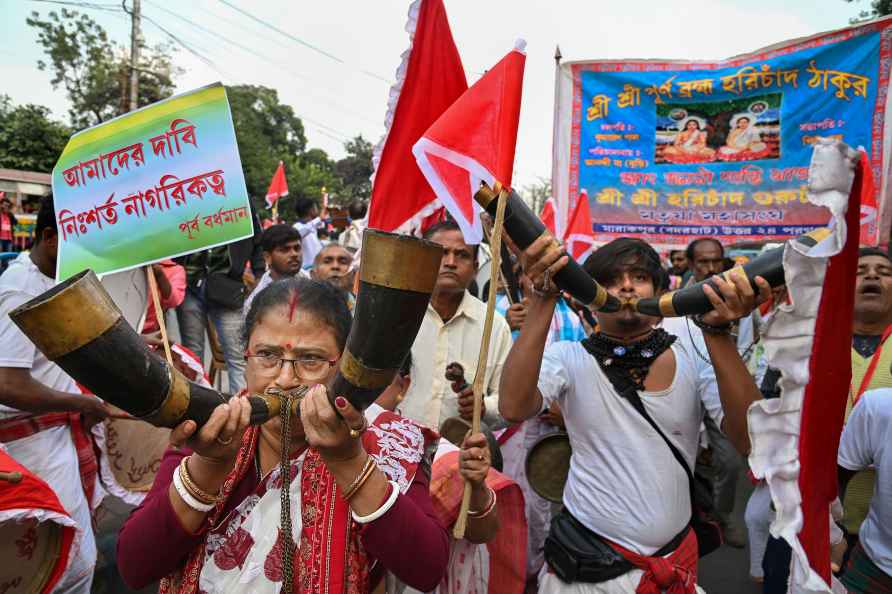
{"x":159,"y":313}
{"x":495,"y":245}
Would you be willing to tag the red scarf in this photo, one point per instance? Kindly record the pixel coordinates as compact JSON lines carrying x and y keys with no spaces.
{"x":330,"y":556}
{"x":674,"y":574}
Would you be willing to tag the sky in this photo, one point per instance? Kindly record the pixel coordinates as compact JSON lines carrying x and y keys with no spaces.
{"x":335,"y":62}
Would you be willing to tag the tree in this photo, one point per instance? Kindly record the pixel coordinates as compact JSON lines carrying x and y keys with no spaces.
{"x":536,"y":194}
{"x":29,"y":139}
{"x":355,"y":170}
{"x":95,"y":71}
{"x":878,"y":8}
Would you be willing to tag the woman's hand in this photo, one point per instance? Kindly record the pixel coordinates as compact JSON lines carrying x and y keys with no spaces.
{"x":217,"y":442}
{"x":326,"y":431}
{"x":474,"y":459}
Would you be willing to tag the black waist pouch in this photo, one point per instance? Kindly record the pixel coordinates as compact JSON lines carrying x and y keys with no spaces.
{"x":576,"y":554}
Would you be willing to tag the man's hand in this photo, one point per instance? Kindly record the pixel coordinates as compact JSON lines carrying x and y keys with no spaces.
{"x":545,"y":255}
{"x":735,"y":299}
{"x":554,"y":416}
{"x":248,"y":277}
{"x":517,"y":315}
{"x":466,"y":404}
{"x":93,"y":410}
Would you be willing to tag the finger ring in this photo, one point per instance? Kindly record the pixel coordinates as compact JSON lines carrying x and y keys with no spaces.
{"x":224,"y":442}
{"x":355,"y":433}
{"x":481,"y":457}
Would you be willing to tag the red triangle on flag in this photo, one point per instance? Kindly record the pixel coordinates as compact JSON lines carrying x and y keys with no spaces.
{"x":478,"y":133}
{"x":456,"y":181}
{"x":278,"y":187}
{"x":579,"y":236}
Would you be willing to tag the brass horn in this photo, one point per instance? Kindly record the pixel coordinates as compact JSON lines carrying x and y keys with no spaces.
{"x":524,"y":228}
{"x":693,"y":300}
{"x":77,"y":325}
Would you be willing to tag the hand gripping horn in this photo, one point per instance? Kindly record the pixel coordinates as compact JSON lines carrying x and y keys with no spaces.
{"x":693,"y":300}
{"x":523,"y":227}
{"x":77,"y":325}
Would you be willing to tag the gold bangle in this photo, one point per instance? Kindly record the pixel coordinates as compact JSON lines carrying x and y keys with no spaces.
{"x":489,"y":507}
{"x":360,"y":478}
{"x":194,"y":489}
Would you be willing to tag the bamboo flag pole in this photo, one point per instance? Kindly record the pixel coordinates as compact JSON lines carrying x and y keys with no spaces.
{"x":487,"y":232}
{"x":159,"y":313}
{"x":495,"y":245}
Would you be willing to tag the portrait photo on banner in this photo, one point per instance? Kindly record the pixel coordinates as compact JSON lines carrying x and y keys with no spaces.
{"x":747,"y":129}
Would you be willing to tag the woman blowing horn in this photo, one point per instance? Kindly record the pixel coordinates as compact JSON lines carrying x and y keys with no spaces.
{"x":211,"y":522}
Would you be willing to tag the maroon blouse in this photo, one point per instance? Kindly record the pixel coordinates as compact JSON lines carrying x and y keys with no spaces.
{"x":152,"y":542}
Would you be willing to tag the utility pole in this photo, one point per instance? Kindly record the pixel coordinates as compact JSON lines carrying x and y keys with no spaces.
{"x":134,"y":54}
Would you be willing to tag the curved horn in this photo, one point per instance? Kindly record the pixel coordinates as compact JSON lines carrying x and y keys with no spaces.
{"x":524,"y":228}
{"x":693,"y":300}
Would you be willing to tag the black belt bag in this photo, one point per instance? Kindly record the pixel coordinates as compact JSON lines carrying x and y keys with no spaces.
{"x":576,"y":554}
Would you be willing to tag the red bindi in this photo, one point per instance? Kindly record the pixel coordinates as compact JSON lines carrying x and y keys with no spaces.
{"x":288,"y":345}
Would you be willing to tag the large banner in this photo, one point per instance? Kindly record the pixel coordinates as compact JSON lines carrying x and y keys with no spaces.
{"x":671,"y":151}
{"x":156,"y":183}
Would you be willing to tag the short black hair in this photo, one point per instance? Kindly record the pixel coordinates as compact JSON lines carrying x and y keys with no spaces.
{"x":357,"y":210}
{"x":321,"y":299}
{"x":277,"y":236}
{"x":46,"y":217}
{"x":673,"y":252}
{"x":689,"y":252}
{"x":303,"y":206}
{"x":610,"y":260}
{"x":872,"y":251}
{"x":447,"y":225}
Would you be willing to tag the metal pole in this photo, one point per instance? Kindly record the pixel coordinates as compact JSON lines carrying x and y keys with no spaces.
{"x":134,"y":54}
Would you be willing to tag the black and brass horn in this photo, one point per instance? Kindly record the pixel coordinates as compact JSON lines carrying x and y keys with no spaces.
{"x":77,"y":325}
{"x":693,"y":300}
{"x":524,"y":228}
{"x":396,"y":278}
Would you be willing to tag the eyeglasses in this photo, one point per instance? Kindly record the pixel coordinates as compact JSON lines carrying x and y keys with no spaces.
{"x":308,"y":368}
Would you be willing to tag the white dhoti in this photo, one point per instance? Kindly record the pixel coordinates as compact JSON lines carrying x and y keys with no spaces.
{"x":549,"y":583}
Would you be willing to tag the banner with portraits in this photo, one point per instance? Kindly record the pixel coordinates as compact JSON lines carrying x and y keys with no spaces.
{"x":670,"y":151}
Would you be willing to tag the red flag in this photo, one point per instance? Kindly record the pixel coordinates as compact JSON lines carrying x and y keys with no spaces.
{"x":547,"y":215}
{"x":579,"y":239}
{"x":795,"y":438}
{"x":430,"y":78}
{"x":278,"y":187}
{"x":474,"y":141}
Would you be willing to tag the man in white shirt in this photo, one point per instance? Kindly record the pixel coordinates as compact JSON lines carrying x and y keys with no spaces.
{"x":867,"y":443}
{"x":351,"y":238}
{"x":34,"y":390}
{"x":451,"y":333}
{"x":309,"y":221}
{"x":283,"y":255}
{"x":626,"y":493}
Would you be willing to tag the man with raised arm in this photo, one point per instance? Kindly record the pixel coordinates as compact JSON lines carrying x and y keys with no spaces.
{"x":627,"y":496}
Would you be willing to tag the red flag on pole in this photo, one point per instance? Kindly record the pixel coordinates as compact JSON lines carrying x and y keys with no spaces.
{"x":278,"y":187}
{"x":430,"y":78}
{"x":547,"y":215}
{"x":474,"y":141}
{"x":579,"y":239}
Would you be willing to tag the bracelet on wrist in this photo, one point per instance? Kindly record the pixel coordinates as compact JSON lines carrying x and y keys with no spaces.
{"x":723,"y":330}
{"x":391,"y":500}
{"x":364,"y":474}
{"x":487,"y":510}
{"x":193,"y":489}
{"x":187,"y":497}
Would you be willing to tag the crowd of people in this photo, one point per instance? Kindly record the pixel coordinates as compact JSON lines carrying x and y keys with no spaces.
{"x":655,"y":412}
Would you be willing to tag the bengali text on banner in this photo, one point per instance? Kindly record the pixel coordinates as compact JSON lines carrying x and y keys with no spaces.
{"x":671,"y":151}
{"x":156,"y":183}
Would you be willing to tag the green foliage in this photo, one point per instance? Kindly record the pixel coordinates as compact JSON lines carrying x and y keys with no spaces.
{"x":878,"y":8}
{"x":355,"y":170}
{"x":29,"y":139}
{"x":95,"y":71}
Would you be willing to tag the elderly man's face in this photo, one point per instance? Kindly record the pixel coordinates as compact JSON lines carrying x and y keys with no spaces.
{"x":873,"y":289}
{"x":333,"y":265}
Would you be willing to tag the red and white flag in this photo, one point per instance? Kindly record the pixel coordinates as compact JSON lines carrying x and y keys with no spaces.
{"x":278,"y":187}
{"x":547,"y":215}
{"x":579,"y":239}
{"x":474,"y":141}
{"x":429,"y":79}
{"x":795,"y":438}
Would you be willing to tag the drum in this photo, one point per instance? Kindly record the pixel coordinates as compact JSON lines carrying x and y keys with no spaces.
{"x":35,"y":532}
{"x":548,"y":464}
